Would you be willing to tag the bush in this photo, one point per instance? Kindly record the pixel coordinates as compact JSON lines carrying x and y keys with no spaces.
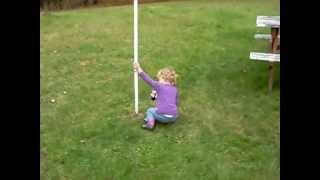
{"x":68,"y":4}
{"x":65,"y":4}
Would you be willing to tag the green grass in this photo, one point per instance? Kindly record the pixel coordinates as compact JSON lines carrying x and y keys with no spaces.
{"x":229,"y":124}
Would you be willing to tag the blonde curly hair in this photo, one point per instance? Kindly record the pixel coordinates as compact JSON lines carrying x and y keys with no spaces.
{"x":168,"y":74}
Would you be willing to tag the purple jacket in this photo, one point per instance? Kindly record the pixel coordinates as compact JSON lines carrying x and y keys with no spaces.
{"x":167,"y":96}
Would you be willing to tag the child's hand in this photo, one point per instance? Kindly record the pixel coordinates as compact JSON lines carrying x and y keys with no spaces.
{"x":153,"y":95}
{"x":137,"y":67}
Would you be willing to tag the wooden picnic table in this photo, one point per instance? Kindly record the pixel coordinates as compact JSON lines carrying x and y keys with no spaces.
{"x":272,"y":22}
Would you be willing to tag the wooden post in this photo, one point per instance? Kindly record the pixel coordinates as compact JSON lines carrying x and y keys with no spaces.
{"x":274,"y":44}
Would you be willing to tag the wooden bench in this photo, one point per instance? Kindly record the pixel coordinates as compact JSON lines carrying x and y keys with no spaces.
{"x":270,"y":57}
{"x":264,"y":36}
{"x":268,"y":21}
{"x":272,"y":22}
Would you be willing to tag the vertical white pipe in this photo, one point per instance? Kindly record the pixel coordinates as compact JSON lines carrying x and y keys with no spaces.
{"x":135,"y":59}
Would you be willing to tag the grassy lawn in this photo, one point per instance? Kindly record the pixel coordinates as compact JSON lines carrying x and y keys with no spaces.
{"x":229,"y":124}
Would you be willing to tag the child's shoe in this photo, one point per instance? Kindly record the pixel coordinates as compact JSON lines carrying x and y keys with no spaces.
{"x":149,"y":125}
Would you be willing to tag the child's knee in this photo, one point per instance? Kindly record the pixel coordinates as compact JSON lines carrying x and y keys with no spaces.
{"x":150,"y":110}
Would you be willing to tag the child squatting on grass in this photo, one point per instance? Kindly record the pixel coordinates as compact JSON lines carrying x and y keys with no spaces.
{"x":167,"y":96}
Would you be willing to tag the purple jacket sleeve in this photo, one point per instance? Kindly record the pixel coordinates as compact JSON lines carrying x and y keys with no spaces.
{"x":154,"y":84}
{"x":177,"y":98}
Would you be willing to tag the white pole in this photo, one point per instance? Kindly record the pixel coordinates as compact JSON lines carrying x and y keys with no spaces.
{"x":135,"y":59}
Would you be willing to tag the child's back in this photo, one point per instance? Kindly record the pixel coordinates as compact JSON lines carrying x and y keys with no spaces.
{"x":167,"y":99}
{"x":167,"y":95}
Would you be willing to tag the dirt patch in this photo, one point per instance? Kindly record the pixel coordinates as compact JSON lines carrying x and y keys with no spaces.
{"x":135,"y":116}
{"x":43,"y":165}
{"x":43,"y":157}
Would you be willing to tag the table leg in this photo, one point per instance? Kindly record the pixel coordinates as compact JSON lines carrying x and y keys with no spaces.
{"x":271,"y":76}
{"x":274,"y":44}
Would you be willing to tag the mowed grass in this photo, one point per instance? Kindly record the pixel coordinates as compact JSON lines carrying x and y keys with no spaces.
{"x":229,"y":124}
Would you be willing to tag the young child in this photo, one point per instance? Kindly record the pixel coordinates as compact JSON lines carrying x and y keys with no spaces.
{"x":167,"y":97}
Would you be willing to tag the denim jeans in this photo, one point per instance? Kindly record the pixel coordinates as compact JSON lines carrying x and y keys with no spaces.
{"x":152,"y":114}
